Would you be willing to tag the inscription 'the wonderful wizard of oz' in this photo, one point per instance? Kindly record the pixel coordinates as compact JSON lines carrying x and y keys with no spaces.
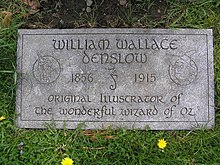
{"x":122,"y":78}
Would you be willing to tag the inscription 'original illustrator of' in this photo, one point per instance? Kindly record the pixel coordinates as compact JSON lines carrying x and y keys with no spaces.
{"x":121,"y":78}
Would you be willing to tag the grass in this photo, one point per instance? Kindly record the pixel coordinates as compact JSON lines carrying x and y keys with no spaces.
{"x":110,"y":146}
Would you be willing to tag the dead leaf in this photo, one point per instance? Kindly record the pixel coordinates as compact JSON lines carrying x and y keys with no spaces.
{"x":93,"y":134}
{"x":33,"y":4}
{"x":109,"y":137}
{"x":102,"y":132}
{"x":93,"y":138}
{"x":88,"y":133}
{"x":7,"y":16}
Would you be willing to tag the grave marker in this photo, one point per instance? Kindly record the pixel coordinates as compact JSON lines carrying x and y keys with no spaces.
{"x":124,"y":78}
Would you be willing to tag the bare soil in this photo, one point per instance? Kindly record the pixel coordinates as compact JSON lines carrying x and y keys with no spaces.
{"x":104,"y":13}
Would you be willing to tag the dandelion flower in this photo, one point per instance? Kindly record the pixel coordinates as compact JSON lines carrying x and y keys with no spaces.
{"x":2,"y":118}
{"x":161,"y":143}
{"x":67,"y":161}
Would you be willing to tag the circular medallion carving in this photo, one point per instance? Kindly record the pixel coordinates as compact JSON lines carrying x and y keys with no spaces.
{"x":184,"y":71}
{"x":46,"y":69}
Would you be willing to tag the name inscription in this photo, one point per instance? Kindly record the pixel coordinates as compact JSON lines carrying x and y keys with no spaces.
{"x":158,"y":78}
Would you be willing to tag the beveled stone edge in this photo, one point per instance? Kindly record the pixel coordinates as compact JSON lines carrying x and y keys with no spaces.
{"x":36,"y":124}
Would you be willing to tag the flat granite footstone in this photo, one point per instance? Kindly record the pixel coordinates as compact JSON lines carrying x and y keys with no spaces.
{"x":162,"y":79}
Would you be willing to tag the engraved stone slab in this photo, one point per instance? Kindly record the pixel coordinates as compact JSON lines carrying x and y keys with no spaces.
{"x":122,"y":78}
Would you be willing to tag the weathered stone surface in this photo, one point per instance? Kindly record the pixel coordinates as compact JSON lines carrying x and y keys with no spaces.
{"x":130,"y":78}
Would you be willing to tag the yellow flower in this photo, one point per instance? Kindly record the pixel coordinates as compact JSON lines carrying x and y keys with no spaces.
{"x":67,"y":161}
{"x":161,"y":143}
{"x":2,"y":118}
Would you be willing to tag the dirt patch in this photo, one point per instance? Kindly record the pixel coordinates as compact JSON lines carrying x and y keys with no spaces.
{"x":104,"y":13}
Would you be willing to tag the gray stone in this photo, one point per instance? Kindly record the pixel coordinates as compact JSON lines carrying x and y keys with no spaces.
{"x":88,"y":9}
{"x":122,"y":2}
{"x":123,"y":78}
{"x":89,"y":2}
